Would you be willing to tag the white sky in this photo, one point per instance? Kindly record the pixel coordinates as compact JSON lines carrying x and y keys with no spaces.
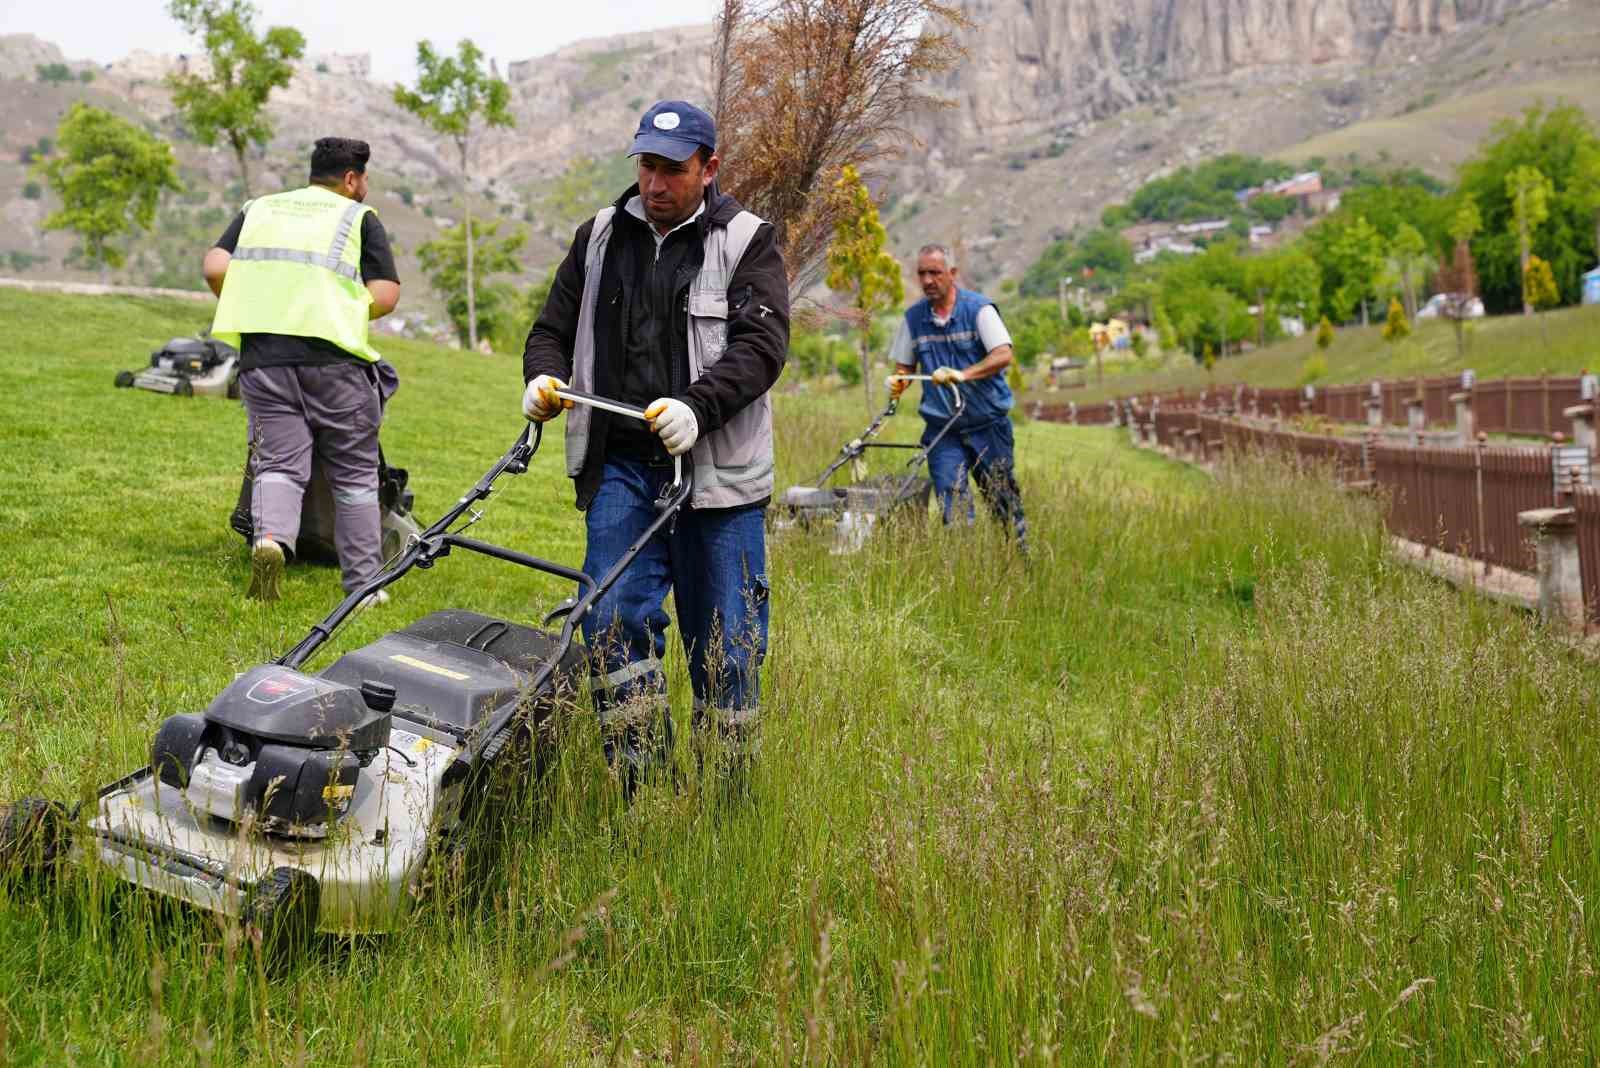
{"x":104,"y":30}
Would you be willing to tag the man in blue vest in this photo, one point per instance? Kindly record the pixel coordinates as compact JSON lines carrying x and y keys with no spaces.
{"x":298,"y":275}
{"x":673,"y":299}
{"x":957,"y":336}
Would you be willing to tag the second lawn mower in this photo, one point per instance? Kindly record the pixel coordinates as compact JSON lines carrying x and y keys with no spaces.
{"x":852,"y":510}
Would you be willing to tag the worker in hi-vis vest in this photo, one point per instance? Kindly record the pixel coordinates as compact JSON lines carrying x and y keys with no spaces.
{"x":298,"y":276}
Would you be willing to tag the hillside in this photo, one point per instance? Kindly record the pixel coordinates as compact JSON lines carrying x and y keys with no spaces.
{"x":1559,"y":342}
{"x":1061,"y":111}
{"x":1056,"y":112}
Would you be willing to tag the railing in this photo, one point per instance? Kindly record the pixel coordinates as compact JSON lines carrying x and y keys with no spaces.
{"x":1523,"y":406}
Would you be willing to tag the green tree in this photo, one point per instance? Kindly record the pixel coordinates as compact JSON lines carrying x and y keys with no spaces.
{"x":1410,"y":261}
{"x":858,"y":263}
{"x":1467,"y":220}
{"x":445,"y":261}
{"x":454,"y":95}
{"x":109,"y":175}
{"x":231,"y":101}
{"x":1556,"y":143}
{"x":1584,"y":188}
{"x":1358,"y":256}
{"x":1324,"y":334}
{"x":1395,"y":325}
{"x":1529,"y":193}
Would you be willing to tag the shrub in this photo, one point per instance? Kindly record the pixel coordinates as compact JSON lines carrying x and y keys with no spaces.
{"x":1396,"y":327}
{"x":32,"y":191}
{"x":1324,"y":334}
{"x":1314,"y":368}
{"x":849,"y":368}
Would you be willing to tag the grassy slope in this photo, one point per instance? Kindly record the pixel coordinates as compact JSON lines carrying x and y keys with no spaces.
{"x":1440,"y":137}
{"x":1559,"y":343}
{"x":1209,"y":780}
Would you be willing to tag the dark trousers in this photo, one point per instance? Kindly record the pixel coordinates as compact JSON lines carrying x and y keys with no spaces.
{"x":987,"y":455}
{"x":333,"y":411}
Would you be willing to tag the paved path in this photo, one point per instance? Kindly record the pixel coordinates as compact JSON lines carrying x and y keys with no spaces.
{"x":90,"y":289}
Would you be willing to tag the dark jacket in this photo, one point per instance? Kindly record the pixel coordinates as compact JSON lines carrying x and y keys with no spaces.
{"x":758,"y":322}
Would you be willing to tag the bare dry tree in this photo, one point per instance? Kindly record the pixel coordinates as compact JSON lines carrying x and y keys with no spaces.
{"x":804,"y":87}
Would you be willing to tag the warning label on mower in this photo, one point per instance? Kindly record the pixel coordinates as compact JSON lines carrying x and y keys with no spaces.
{"x":423,"y":665}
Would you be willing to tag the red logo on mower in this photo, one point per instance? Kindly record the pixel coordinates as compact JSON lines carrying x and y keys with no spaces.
{"x":275,"y":688}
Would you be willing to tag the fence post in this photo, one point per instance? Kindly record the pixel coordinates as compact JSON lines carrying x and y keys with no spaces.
{"x":1582,"y":416}
{"x":1464,"y":420}
{"x":1417,"y":417}
{"x":1555,"y":533}
{"x":1477,"y":465}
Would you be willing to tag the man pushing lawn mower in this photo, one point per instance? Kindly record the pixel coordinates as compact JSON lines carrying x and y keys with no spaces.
{"x":674,"y":300}
{"x":298,"y":276}
{"x":955,"y":335}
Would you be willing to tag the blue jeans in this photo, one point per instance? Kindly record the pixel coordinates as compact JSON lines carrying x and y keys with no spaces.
{"x":986,"y":453}
{"x":715,"y":563}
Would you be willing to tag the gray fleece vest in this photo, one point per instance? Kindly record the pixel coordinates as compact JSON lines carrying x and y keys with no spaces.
{"x":732,"y":464}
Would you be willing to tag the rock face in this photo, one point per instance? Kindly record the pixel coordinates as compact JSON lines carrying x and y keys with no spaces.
{"x":1039,"y":64}
{"x":22,"y":54}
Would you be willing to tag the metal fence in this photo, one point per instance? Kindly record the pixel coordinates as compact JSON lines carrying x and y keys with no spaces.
{"x":1465,"y":501}
{"x":1526,"y":406}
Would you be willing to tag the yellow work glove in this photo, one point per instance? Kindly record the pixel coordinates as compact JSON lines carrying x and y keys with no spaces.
{"x":539,"y":401}
{"x":897,"y":386}
{"x":674,"y":423}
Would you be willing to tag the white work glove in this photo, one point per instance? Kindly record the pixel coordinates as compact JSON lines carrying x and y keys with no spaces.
{"x":539,"y":401}
{"x":945,"y":376}
{"x":674,"y":423}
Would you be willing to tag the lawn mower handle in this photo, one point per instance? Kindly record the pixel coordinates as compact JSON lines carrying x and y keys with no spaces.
{"x":858,"y":445}
{"x":629,"y":411}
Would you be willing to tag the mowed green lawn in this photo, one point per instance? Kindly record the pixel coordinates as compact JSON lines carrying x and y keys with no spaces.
{"x":1209,"y":781}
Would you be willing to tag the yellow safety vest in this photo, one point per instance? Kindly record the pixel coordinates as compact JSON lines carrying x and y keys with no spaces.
{"x":297,"y":270}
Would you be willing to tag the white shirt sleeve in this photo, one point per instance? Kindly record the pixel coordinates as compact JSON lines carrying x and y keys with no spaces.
{"x":991,"y":331}
{"x":900,"y":352}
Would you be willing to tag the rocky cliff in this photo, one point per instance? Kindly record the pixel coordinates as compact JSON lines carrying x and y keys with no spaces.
{"x":1035,"y":65}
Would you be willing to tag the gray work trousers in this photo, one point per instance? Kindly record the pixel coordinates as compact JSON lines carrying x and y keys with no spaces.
{"x":334,"y":412}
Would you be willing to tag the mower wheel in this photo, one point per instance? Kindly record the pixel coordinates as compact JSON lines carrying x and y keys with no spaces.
{"x":124,"y":380}
{"x":184,"y":388}
{"x":34,"y":837}
{"x":280,"y":913}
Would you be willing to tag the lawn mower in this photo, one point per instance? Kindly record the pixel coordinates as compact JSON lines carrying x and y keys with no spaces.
{"x":853,"y":510}
{"x":298,"y":802}
{"x":186,"y":366}
{"x":315,"y":539}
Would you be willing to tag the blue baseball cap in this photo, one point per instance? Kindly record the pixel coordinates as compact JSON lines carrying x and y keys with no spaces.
{"x":675,"y":129}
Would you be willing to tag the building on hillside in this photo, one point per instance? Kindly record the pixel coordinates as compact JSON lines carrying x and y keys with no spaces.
{"x":1299,"y":185}
{"x":1261,"y":233}
{"x":1112,"y":333}
{"x":1166,"y":243}
{"x":1203,"y":227}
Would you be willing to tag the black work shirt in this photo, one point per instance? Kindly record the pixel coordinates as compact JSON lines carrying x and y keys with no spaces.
{"x":289,"y":350}
{"x":655,"y":356}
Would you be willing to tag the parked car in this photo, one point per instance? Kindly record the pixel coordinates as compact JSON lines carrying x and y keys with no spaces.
{"x":1438,"y":306}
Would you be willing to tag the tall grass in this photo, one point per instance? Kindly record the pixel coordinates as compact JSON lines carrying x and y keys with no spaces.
{"x":1209,"y":780}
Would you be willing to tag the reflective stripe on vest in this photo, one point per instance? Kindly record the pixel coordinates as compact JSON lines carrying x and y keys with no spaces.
{"x":268,"y":289}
